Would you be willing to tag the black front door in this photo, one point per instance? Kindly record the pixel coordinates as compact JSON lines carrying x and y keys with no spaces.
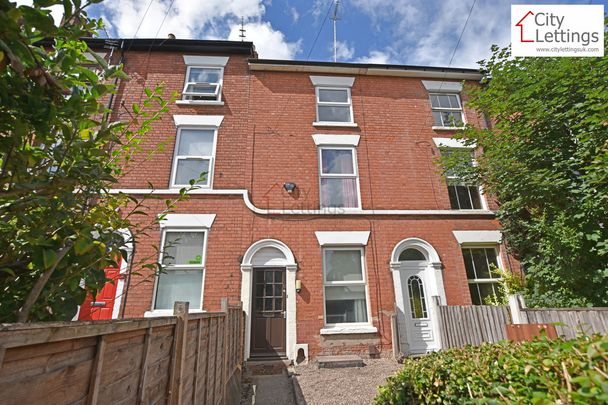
{"x":268,"y":315}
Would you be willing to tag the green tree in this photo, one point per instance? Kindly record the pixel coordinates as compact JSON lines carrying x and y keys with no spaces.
{"x":545,"y":160}
{"x":60,"y":153}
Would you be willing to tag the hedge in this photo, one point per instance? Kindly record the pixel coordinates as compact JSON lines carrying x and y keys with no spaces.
{"x":540,"y":372}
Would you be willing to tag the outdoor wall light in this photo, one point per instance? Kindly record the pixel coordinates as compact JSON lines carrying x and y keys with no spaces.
{"x":289,"y":187}
{"x":298,"y":285}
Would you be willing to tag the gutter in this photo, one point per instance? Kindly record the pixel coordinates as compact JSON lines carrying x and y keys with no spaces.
{"x":364,"y":69}
{"x":327,"y":211}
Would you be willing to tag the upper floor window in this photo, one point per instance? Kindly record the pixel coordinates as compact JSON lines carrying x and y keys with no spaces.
{"x":204,"y":79}
{"x":447,"y":110}
{"x":339,"y":184}
{"x":345,"y":286}
{"x":334,"y":105}
{"x":194,"y":150}
{"x":333,"y":100}
{"x":462,"y":196}
{"x":445,"y":103}
{"x":481,"y":264}
{"x":203,"y":83}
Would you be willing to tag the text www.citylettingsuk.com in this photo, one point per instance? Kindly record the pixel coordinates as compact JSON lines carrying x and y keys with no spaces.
{"x":566,"y":49}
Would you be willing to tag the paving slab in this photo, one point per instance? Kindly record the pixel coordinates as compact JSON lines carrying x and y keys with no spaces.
{"x":276,"y":389}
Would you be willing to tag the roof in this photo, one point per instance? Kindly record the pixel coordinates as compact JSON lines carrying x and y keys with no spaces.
{"x":365,"y":69}
{"x":175,"y":45}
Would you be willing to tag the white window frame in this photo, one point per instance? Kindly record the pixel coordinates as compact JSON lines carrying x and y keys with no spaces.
{"x":482,"y":199}
{"x":346,"y":325}
{"x":348,"y":103}
{"x":192,"y":267}
{"x":440,"y":109}
{"x":496,"y":247}
{"x":218,"y":90}
{"x":177,"y":157}
{"x":355,"y":175}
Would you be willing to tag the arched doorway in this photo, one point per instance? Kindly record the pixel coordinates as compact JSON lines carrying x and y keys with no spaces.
{"x":417,"y":278}
{"x":268,"y":293}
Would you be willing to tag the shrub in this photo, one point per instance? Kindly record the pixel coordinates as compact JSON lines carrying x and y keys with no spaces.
{"x":540,"y":372}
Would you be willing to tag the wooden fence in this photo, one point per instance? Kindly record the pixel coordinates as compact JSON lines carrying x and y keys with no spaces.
{"x":180,"y":359}
{"x":476,"y":324}
{"x":472,"y":325}
{"x":571,"y":321}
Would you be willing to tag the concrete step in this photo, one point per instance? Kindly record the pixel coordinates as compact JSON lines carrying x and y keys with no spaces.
{"x":267,"y":366}
{"x":349,"y":360}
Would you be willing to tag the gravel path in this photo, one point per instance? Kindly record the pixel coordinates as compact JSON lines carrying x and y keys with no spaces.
{"x":343,"y":386}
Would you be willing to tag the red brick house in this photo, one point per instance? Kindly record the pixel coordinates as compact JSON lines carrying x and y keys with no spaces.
{"x":323,"y":210}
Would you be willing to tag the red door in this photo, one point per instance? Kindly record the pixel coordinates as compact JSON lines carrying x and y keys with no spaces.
{"x":102,"y":306}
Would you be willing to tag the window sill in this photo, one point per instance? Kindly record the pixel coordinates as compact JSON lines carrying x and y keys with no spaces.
{"x":198,"y":102}
{"x":168,"y":312}
{"x":340,"y":210}
{"x":348,"y":330}
{"x":436,"y":128}
{"x":335,"y":124}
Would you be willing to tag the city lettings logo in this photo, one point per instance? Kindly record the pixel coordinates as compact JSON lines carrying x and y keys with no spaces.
{"x":557,"y":30}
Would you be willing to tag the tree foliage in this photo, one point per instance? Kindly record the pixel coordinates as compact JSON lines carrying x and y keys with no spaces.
{"x":545,"y":160}
{"x":59,"y":155}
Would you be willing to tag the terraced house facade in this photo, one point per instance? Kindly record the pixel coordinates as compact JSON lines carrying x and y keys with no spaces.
{"x":322,"y":210}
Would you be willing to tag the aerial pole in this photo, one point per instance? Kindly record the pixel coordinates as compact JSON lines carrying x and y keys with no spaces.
{"x":335,"y":18}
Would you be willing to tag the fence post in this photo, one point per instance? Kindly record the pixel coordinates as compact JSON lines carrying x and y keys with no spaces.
{"x":437,"y":324}
{"x":515,"y":306}
{"x":95,"y":381}
{"x":180,"y":310}
{"x":224,"y":303}
{"x":395,"y":334}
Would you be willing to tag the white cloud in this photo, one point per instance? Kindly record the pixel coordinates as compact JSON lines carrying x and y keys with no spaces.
{"x":426,"y":33}
{"x":56,"y":10}
{"x":295,"y":15}
{"x":186,"y":19}
{"x":344,"y":52}
{"x":378,"y":57}
{"x":209,"y":19}
{"x":269,"y":43}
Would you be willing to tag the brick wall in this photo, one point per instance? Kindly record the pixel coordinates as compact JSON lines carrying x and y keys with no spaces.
{"x":264,"y":141}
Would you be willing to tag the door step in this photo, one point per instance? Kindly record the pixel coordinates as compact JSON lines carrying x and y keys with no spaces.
{"x":349,"y":360}
{"x":267,"y":365}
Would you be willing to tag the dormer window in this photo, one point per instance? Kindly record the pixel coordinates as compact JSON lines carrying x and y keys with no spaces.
{"x":204,"y":79}
{"x":333,"y":101}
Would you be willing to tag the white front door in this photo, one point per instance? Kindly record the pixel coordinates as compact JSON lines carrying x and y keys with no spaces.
{"x":416,"y":308}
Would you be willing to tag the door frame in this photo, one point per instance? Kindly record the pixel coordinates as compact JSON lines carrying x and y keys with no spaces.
{"x":284,"y":258}
{"x":433,"y":280}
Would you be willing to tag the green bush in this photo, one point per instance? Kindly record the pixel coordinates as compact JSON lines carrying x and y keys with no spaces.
{"x":540,"y":372}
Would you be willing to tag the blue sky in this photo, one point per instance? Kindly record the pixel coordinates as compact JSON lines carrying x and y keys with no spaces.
{"x":416,"y":32}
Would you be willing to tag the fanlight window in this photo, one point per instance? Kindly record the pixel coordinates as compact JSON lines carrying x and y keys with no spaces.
{"x":411,"y":255}
{"x":417,"y":301}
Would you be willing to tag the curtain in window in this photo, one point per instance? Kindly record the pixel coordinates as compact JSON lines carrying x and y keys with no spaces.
{"x":337,"y":192}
